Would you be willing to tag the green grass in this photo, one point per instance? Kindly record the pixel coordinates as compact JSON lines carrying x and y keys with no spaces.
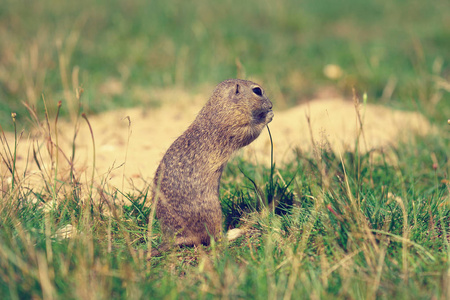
{"x":323,"y":226}
{"x":356,"y":227}
{"x":393,"y":50}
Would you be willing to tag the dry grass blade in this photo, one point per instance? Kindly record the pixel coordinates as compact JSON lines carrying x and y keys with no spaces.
{"x":93,"y":156}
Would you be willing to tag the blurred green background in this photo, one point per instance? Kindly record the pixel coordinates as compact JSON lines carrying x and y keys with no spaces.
{"x":118,"y":51}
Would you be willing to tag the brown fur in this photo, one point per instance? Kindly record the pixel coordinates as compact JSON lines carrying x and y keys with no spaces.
{"x":186,"y":184}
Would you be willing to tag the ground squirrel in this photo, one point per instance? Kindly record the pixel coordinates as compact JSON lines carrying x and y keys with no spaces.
{"x":186,"y":183}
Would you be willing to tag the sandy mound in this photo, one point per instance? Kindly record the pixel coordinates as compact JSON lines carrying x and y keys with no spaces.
{"x":127,"y":154}
{"x":335,"y":123}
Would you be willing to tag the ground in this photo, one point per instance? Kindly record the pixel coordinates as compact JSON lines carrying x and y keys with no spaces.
{"x":129,"y":143}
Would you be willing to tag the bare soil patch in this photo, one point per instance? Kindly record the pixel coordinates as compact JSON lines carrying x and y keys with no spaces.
{"x":130,"y":143}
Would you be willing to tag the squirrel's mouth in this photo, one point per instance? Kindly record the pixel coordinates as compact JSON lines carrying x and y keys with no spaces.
{"x":265,"y":116}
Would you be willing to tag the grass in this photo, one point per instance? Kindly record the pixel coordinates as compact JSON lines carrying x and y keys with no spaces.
{"x":119,"y":52}
{"x":326,"y":225}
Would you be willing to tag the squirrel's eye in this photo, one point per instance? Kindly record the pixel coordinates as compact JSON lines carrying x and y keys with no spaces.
{"x":257,"y":91}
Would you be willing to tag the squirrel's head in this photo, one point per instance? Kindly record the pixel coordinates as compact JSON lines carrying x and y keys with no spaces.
{"x":243,"y":101}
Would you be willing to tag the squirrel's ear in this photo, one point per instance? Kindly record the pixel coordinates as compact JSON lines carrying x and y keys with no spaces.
{"x":237,"y":89}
